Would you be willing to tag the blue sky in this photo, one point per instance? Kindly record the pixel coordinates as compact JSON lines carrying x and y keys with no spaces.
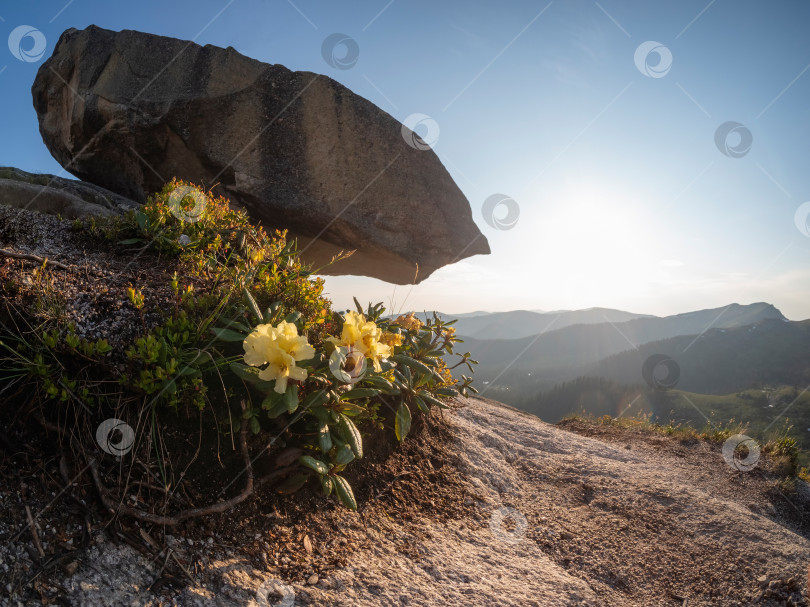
{"x":625,"y":198}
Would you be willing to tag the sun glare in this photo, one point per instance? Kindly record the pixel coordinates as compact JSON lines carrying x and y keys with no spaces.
{"x":599,"y":244}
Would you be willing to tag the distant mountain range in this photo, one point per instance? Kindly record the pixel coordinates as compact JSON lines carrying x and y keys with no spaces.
{"x":743,"y":362}
{"x":525,"y":323}
{"x":565,"y":352}
{"x":720,"y":361}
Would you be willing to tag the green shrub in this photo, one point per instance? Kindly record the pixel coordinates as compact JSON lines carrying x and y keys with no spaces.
{"x":246,"y":322}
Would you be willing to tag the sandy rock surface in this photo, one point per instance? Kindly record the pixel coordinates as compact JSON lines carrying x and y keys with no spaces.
{"x":562,"y":519}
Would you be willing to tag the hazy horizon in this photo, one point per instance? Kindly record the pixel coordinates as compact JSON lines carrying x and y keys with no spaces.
{"x":655,"y":154}
{"x":452,"y":313}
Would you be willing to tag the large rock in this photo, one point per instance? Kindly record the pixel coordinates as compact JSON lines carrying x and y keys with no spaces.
{"x":128,"y":111}
{"x":58,"y":196}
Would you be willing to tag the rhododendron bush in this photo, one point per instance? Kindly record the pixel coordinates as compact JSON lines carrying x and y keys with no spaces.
{"x":228,"y":326}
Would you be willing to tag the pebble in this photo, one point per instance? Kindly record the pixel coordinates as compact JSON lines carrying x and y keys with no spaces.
{"x":313,"y":579}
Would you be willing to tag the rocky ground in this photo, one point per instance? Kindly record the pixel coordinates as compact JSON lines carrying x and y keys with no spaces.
{"x":485,"y":506}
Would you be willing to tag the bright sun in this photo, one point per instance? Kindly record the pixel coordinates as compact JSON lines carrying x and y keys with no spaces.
{"x":598,"y":241}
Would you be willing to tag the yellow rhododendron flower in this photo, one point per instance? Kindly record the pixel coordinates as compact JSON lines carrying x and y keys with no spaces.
{"x":279,"y":348}
{"x":364,"y":336}
{"x":392,"y":339}
{"x":410,"y":322}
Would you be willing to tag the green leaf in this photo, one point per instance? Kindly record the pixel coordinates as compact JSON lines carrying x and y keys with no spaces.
{"x":386,"y":365}
{"x":275,"y":404}
{"x":357,"y":305}
{"x":291,"y":397}
{"x":142,"y":219}
{"x":169,"y":386}
{"x":428,"y":398}
{"x":423,"y":379}
{"x":382,"y":384}
{"x":271,"y":311}
{"x":314,"y":400}
{"x":351,"y":434}
{"x":189,"y":370}
{"x":292,"y":317}
{"x":293,"y":483}
{"x":327,"y":484}
{"x":344,"y":492}
{"x":351,"y":409}
{"x":227,"y":334}
{"x":412,"y":363}
{"x":402,"y":422}
{"x":130,"y":241}
{"x":359,"y":393}
{"x":344,"y":455}
{"x":252,"y":303}
{"x":250,"y":374}
{"x":240,"y":326}
{"x":421,"y":404}
{"x":450,"y":392}
{"x":314,"y":464}
{"x":324,"y":438}
{"x":254,"y":425}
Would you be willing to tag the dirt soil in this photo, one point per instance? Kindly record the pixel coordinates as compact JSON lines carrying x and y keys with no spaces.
{"x":482,"y":506}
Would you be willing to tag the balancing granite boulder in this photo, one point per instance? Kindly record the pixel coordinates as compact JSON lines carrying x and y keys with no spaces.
{"x":128,"y":111}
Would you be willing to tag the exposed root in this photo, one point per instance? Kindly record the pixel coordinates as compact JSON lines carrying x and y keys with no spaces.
{"x":184,"y":515}
{"x":37,"y":258}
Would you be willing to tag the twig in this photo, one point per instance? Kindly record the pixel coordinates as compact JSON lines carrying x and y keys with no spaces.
{"x":38,"y":259}
{"x":176,"y":560}
{"x":34,"y":533}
